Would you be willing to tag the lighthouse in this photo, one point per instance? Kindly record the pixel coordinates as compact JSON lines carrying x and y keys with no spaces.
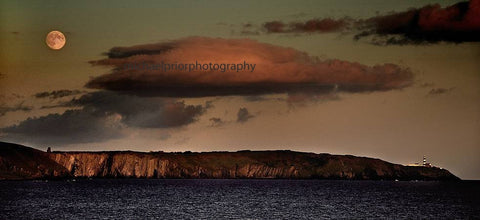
{"x":425,"y":164}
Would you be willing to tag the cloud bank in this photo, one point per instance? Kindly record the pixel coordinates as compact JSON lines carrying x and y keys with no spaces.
{"x":146,"y":98}
{"x":278,"y":70}
{"x":101,"y":116}
{"x":430,"y":24}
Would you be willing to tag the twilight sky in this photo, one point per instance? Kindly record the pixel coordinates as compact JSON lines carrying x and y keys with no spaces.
{"x":394,"y":80}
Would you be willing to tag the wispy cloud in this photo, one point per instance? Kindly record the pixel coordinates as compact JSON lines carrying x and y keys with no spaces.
{"x":58,"y":94}
{"x":243,"y":115}
{"x":310,"y":26}
{"x":4,"y":108}
{"x":216,"y":122}
{"x":439,"y":91}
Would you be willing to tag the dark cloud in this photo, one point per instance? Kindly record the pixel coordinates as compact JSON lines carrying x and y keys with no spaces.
{"x":72,"y":126}
{"x":209,"y":104}
{"x":325,"y":25}
{"x":259,"y":98}
{"x":147,"y":49}
{"x":59,"y":105}
{"x":278,"y":70}
{"x":254,"y":98}
{"x":144,"y":112}
{"x":439,"y":91}
{"x":430,"y":24}
{"x":243,"y":115}
{"x":102,"y":115}
{"x":274,"y":27}
{"x":19,"y":107}
{"x":216,"y":122}
{"x":309,"y":26}
{"x":57,"y":93}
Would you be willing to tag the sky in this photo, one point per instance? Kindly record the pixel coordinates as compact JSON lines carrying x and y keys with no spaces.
{"x":393,"y":80}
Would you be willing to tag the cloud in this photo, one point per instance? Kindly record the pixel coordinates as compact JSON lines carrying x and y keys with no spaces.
{"x":103,"y":115}
{"x":243,"y":115}
{"x":439,"y":91}
{"x":313,"y":25}
{"x":429,"y":24}
{"x":255,"y":98}
{"x":278,"y":70}
{"x":72,"y":126}
{"x":216,"y":122}
{"x":144,"y":112}
{"x":301,"y":99}
{"x":316,"y":25}
{"x":19,"y":107}
{"x":57,"y":93}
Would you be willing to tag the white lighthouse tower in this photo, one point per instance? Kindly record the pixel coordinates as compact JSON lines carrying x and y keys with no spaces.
{"x":425,"y":164}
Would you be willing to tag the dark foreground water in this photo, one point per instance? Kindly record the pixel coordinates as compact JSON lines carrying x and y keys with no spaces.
{"x":253,"y":199}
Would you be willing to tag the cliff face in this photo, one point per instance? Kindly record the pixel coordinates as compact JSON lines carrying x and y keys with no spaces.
{"x":244,"y":164}
{"x":259,"y":164}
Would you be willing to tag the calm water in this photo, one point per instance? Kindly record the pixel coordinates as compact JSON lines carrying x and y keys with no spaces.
{"x":257,"y":199}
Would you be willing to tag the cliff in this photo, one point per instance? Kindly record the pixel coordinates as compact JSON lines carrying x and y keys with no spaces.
{"x":20,"y":162}
{"x":242,"y":164}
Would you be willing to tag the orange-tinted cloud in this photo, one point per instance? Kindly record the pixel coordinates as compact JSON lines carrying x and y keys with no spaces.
{"x":430,"y":24}
{"x":457,"y":23}
{"x":277,"y":70}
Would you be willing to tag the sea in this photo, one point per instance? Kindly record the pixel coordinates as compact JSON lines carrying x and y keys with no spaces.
{"x":238,"y":199}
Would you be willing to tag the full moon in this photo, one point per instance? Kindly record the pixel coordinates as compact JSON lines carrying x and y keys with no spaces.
{"x":55,"y":40}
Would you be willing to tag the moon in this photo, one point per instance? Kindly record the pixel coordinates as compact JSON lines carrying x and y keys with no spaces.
{"x":55,"y":40}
